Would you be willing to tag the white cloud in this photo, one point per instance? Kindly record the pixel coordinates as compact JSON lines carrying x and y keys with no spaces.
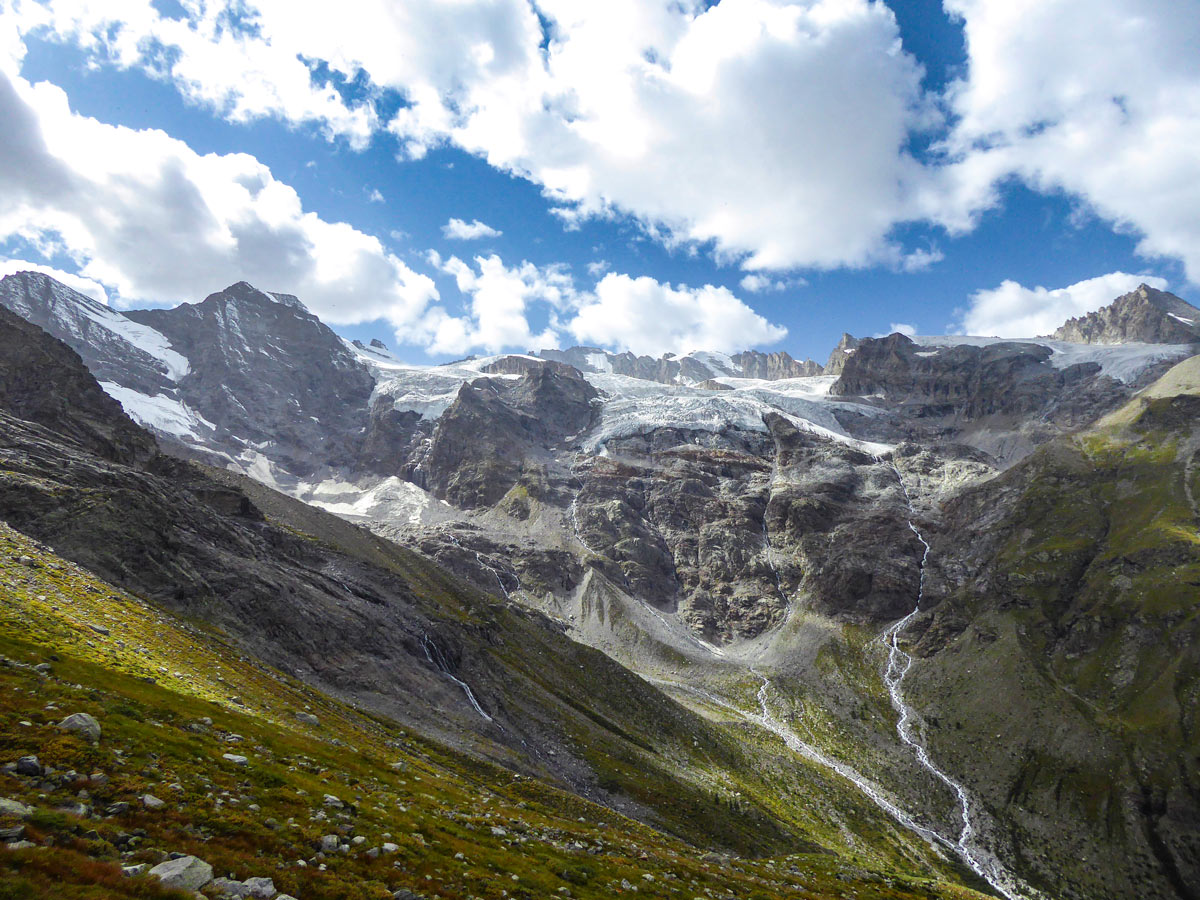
{"x":755,"y":283}
{"x":598,"y":267}
{"x":458,"y":230}
{"x":1012,"y":310}
{"x":85,"y":286}
{"x":772,"y":131}
{"x":1100,"y":99}
{"x":501,"y":301}
{"x":375,"y":196}
{"x":144,"y":215}
{"x":647,"y":317}
{"x":899,"y":328}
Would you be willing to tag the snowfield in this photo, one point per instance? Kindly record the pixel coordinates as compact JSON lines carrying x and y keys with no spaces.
{"x":1124,"y":362}
{"x":160,"y":413}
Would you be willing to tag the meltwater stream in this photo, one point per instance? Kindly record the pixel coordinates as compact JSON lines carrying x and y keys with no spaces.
{"x":898,"y":664}
{"x":433,"y":653}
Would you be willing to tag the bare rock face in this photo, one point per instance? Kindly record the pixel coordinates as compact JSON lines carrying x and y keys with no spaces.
{"x":775,"y":366}
{"x":44,"y":382}
{"x":968,"y":383}
{"x":265,"y":370}
{"x":114,"y":348}
{"x":843,"y":351}
{"x":1146,"y":315}
{"x":483,"y":442}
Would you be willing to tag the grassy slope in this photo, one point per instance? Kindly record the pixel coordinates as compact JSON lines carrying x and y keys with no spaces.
{"x":152,"y":678}
{"x":1066,"y":680}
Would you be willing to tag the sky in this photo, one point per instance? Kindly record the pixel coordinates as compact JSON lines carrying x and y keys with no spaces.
{"x":463,"y":177}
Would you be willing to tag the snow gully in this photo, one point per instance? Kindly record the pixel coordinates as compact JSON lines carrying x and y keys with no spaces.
{"x":898,"y":664}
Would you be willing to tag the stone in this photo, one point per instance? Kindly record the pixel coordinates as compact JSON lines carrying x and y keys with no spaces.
{"x":14,"y":808}
{"x":151,"y":802}
{"x":234,"y":758}
{"x":12,"y":833}
{"x":333,"y":802}
{"x":133,"y":871}
{"x":330,"y":843}
{"x":389,"y":847}
{"x":308,"y":718}
{"x":82,"y":724}
{"x":228,"y":889}
{"x":189,"y":873}
{"x":29,"y":765}
{"x":261,"y":888}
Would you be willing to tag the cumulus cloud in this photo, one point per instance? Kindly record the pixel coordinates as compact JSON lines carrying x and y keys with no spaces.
{"x":618,"y":312}
{"x":1012,"y":310}
{"x":458,"y":230}
{"x":501,"y":301}
{"x":1099,"y":99}
{"x":648,"y":317}
{"x":899,"y":328}
{"x":143,"y":214}
{"x":772,"y":131}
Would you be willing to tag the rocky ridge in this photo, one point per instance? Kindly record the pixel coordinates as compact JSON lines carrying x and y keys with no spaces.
{"x":1147,"y":315}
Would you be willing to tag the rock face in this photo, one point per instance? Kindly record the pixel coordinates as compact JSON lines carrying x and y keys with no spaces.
{"x":838,"y":356}
{"x":114,"y":348}
{"x":494,"y":431}
{"x":265,"y":370}
{"x":43,"y":381}
{"x":1146,"y":315}
{"x":775,"y":366}
{"x":971,"y":382}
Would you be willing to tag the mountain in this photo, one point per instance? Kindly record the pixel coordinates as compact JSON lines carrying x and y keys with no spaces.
{"x":265,"y":371}
{"x":201,"y":618}
{"x":115,"y":348}
{"x":1146,"y":315}
{"x":915,"y":602}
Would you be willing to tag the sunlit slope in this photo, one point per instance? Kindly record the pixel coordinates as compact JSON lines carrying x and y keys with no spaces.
{"x":178,"y":706}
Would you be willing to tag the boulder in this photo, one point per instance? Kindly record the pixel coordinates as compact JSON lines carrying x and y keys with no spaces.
{"x":151,"y":802}
{"x":14,"y":808}
{"x":189,"y":873}
{"x":82,"y":724}
{"x":29,"y":765}
{"x":261,"y":888}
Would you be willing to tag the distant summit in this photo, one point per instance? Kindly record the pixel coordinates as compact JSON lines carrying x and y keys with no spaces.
{"x":1146,"y":316}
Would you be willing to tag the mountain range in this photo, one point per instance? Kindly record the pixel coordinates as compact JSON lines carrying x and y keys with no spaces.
{"x":925,"y":611}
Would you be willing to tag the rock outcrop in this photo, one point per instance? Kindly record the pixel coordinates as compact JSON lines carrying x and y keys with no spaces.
{"x":1146,"y":315}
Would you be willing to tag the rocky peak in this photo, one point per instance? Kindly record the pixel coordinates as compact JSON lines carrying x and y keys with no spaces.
{"x":1146,"y":315}
{"x":843,"y":351}
{"x":266,"y":370}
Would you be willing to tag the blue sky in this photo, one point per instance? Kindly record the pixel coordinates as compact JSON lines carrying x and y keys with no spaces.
{"x":773,"y":178}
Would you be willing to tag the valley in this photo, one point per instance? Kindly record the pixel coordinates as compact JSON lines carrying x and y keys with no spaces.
{"x":920,"y":621}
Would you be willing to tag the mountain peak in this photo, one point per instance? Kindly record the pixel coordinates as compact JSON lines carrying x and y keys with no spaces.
{"x":1144,"y":315}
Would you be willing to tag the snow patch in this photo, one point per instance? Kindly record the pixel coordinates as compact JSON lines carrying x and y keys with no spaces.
{"x":160,"y":412}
